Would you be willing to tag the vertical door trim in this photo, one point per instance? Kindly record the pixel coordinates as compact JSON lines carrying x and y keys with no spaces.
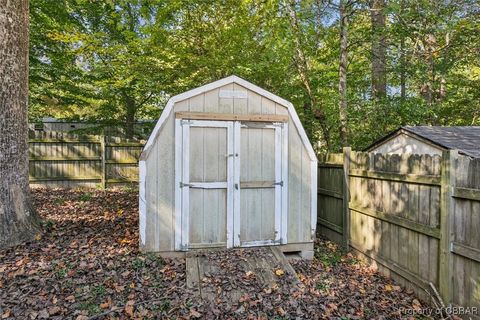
{"x":278,"y":178}
{"x":185,"y":179}
{"x":230,"y":183}
{"x":178,"y":189}
{"x":284,"y":223}
{"x":236,"y":181}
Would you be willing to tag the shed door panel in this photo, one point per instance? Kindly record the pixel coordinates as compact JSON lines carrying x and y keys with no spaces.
{"x":208,"y":150}
{"x":206,"y":166}
{"x":208,"y":217}
{"x":258,"y":175}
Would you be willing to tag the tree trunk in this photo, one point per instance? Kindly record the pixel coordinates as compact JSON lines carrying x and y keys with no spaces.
{"x":379,"y":70}
{"x":442,"y":91}
{"x":427,"y":88}
{"x":403,"y":61}
{"x":403,"y":75}
{"x":342,"y":74}
{"x":18,"y":220}
{"x":130,"y":116}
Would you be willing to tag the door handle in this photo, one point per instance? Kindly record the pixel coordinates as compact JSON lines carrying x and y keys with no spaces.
{"x":236,"y":186}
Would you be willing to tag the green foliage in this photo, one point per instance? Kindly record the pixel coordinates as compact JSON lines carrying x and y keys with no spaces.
{"x":99,"y":291}
{"x":47,"y":224}
{"x":117,"y":61}
{"x":329,"y":257}
{"x":85,"y":197}
{"x":138,"y":263}
{"x":59,"y":201}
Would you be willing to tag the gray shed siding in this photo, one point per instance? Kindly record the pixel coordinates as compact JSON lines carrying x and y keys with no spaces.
{"x":404,"y":143}
{"x":160,"y":168}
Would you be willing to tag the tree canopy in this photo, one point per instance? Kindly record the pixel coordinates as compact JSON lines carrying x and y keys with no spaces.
{"x":408,"y":62}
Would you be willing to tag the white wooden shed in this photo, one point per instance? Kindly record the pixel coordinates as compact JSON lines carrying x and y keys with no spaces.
{"x":228,"y":165}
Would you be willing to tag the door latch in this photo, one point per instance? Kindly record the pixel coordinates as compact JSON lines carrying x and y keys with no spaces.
{"x":236,"y":186}
{"x":278,"y":184}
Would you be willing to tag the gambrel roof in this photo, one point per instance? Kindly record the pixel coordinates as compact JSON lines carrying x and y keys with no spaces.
{"x":220,"y":83}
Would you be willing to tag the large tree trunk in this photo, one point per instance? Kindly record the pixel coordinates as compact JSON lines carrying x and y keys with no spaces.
{"x":18,"y":220}
{"x":342,"y":74}
{"x":379,"y":66}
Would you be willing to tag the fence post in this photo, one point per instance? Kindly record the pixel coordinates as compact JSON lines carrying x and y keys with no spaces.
{"x":346,"y":197}
{"x":103,"y":150}
{"x":449,"y":161}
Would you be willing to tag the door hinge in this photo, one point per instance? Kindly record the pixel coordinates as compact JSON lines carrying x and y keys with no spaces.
{"x":278,"y":184}
{"x":185,"y":184}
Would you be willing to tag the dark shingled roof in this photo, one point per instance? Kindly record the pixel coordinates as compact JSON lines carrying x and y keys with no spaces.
{"x":465,"y":139}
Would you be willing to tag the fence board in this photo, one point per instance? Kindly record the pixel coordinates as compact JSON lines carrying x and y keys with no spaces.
{"x":465,"y":245}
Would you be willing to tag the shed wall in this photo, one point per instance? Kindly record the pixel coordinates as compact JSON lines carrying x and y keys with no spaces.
{"x":406,"y":144}
{"x":160,"y":168}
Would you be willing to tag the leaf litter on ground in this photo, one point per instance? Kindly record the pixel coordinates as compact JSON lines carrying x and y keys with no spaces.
{"x":87,"y":265}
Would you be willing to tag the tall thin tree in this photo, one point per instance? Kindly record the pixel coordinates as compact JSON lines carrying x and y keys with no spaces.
{"x":18,"y":220}
{"x":379,"y":49}
{"x":342,"y":72}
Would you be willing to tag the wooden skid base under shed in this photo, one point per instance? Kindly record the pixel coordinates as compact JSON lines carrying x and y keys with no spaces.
{"x":291,"y":251}
{"x":227,"y":275}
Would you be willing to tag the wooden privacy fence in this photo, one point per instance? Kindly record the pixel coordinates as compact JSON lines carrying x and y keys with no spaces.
{"x":59,"y":159}
{"x":417,"y":217}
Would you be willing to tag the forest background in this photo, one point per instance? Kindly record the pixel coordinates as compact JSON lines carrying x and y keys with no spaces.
{"x":355,"y":70}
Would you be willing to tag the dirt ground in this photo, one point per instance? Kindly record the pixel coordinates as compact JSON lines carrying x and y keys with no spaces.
{"x":86,"y":265}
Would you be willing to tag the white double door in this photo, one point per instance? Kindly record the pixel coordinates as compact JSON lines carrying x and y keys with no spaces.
{"x":231,"y":185}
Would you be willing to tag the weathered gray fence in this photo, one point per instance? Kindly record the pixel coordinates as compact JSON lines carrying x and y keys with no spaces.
{"x":60,"y":159}
{"x":331,"y":219}
{"x":414,"y":216}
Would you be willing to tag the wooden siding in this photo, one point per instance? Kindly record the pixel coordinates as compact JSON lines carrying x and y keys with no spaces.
{"x":160,"y":202}
{"x":160,"y":188}
{"x":407,"y":144}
